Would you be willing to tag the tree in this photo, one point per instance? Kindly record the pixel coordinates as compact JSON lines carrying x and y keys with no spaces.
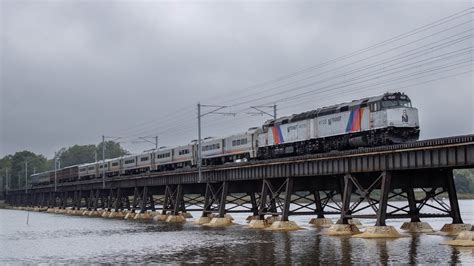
{"x":465,"y":175}
{"x":17,"y":168}
{"x":80,"y":154}
{"x":77,"y":154}
{"x":112,"y":150}
{"x":462,"y":184}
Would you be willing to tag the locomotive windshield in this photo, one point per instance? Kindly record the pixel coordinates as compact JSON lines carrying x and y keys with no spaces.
{"x":393,"y":101}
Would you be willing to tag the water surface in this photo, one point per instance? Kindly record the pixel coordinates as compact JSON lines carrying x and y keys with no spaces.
{"x":55,"y":238}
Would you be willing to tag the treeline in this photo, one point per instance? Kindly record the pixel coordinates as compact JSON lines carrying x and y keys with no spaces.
{"x":24,"y":163}
{"x":464,"y":180}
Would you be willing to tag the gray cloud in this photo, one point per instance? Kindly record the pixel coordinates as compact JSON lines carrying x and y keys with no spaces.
{"x":72,"y":71}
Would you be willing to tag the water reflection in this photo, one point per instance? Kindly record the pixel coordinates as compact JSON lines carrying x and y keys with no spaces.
{"x":66,"y":239}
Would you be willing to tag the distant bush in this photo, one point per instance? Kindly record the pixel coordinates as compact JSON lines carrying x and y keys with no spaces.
{"x":464,"y":180}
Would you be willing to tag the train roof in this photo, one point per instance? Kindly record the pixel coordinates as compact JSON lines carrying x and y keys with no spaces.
{"x":332,"y":109}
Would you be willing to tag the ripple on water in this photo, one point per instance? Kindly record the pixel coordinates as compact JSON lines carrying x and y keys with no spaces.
{"x":75,"y":239}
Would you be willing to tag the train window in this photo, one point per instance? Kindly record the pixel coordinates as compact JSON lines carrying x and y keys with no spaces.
{"x":395,"y":103}
{"x":115,"y":164}
{"x":389,"y":104}
{"x":144,"y":159}
{"x":91,"y":168}
{"x":405,"y":103}
{"x":164,"y":155}
{"x":181,"y":152}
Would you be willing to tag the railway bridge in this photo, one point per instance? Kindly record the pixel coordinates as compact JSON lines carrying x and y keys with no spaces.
{"x":353,"y":184}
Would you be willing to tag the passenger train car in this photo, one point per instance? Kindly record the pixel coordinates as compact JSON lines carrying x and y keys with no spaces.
{"x":374,"y":121}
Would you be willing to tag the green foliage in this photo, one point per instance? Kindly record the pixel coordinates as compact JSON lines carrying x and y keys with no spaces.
{"x":77,"y":154}
{"x":464,"y":180}
{"x":112,"y":150}
{"x":16,"y":166}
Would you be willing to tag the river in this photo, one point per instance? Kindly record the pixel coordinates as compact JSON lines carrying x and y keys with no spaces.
{"x":56,"y":238}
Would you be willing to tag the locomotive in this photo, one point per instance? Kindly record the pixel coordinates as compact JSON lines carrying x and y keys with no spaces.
{"x":375,"y":121}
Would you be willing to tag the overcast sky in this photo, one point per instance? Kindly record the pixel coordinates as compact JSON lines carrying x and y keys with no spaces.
{"x":72,"y":71}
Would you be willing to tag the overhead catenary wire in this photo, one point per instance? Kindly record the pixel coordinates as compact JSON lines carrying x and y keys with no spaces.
{"x":377,"y":45}
{"x":412,"y":76}
{"x":442,"y":45}
{"x":439,"y":58}
{"x":172,"y":127}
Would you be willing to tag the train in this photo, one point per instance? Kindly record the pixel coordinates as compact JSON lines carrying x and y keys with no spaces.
{"x":374,"y":121}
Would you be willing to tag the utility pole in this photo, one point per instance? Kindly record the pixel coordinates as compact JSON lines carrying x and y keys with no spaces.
{"x":7,"y":185}
{"x":103,"y":156}
{"x":55,"y":173}
{"x":216,"y":110}
{"x":103,"y":161}
{"x":199,"y":162}
{"x":262,"y":112}
{"x":26,"y":176}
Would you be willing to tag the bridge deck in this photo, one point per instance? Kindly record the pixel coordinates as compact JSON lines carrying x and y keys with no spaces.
{"x":452,"y":152}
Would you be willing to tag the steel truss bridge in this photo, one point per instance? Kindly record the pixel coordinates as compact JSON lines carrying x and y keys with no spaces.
{"x":360,"y":183}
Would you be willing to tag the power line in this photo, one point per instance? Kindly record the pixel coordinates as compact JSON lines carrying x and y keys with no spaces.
{"x":357,"y":52}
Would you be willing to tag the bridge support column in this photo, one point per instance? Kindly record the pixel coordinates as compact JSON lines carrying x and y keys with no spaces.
{"x":457,"y":226}
{"x":177,"y":205}
{"x":50,"y":203}
{"x":108,"y":205}
{"x":381,"y":230}
{"x":77,"y":203}
{"x":206,"y":215}
{"x":254,"y":208}
{"x":320,"y":220}
{"x":63,"y":202}
{"x":131,"y":213}
{"x":89,"y":203}
{"x":284,"y":224}
{"x":343,"y":227}
{"x":222,"y":219}
{"x":96,"y":202}
{"x":415,"y":225}
{"x":146,"y":203}
{"x":260,"y":222}
{"x":117,"y":211}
